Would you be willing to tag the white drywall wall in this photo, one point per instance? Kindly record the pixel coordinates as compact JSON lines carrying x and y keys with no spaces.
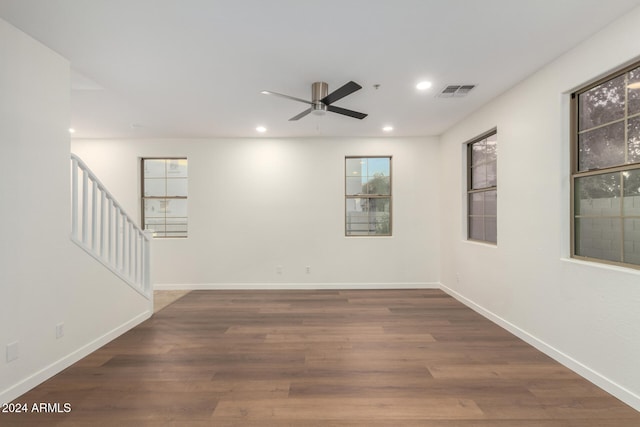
{"x":584,"y":314}
{"x":255,"y":204}
{"x":45,"y":279}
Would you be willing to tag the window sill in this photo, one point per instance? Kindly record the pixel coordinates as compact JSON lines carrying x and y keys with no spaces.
{"x":603,"y":266}
{"x":481,"y":243}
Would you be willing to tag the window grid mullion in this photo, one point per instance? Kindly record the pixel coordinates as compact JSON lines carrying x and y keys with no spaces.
{"x":482,"y":190}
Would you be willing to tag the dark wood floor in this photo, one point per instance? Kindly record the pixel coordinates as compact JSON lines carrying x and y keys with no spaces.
{"x":321,"y":358}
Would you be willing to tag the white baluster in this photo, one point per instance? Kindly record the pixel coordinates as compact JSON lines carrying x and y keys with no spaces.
{"x":94,"y":215}
{"x":85,"y":201}
{"x":136,"y":260}
{"x":130,"y":241}
{"x":74,"y":198}
{"x":110,"y":234}
{"x":103,"y":222}
{"x":117,"y":254}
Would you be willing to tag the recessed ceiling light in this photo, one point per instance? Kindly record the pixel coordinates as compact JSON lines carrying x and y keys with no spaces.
{"x":261,"y":129}
{"x":635,"y":85}
{"x":387,"y":128}
{"x":423,"y":85}
{"x":72,"y":130}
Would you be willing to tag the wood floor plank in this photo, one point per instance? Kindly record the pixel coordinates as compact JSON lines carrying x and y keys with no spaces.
{"x":514,"y":371}
{"x":350,"y":358}
{"x":349,"y":409}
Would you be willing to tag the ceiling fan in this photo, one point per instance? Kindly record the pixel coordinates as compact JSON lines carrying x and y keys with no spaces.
{"x":322,"y":100}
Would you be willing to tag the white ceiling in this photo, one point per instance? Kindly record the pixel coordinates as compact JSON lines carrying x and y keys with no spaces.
{"x":195,"y":68}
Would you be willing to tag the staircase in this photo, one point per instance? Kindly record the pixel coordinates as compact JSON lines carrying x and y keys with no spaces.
{"x":103,"y":229}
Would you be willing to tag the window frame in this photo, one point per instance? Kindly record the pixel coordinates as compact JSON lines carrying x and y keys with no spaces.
{"x":486,"y":189}
{"x":576,"y":173}
{"x":369,"y":196}
{"x":143,"y":198}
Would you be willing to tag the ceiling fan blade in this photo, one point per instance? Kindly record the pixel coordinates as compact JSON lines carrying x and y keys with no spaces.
{"x":346,"y":112}
{"x":268,"y":92}
{"x":341,"y":92}
{"x":301,"y":115}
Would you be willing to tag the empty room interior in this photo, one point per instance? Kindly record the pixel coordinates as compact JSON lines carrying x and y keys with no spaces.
{"x":402,"y":213}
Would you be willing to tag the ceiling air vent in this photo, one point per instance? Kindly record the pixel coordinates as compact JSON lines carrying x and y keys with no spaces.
{"x":455,"y":91}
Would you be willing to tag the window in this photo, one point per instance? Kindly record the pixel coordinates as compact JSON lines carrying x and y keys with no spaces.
{"x":482,"y":188}
{"x":164,"y":197}
{"x":605,"y":178}
{"x":368,"y":196}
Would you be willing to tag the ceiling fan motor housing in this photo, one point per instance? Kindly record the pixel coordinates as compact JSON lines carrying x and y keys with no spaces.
{"x":319,"y":90}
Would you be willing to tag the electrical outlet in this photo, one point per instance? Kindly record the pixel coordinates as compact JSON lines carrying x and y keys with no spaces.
{"x":278,"y":269}
{"x":12,"y":351}
{"x":307,"y":269}
{"x":59,"y":330}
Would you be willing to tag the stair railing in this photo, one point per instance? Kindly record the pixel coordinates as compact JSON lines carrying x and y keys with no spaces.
{"x":103,"y":229}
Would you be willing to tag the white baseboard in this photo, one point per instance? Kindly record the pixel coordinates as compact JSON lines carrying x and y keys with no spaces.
{"x":293,"y":286}
{"x":584,"y":371}
{"x":58,"y":366}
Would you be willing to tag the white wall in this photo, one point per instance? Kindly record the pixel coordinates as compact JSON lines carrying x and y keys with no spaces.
{"x":258,"y":203}
{"x":585,"y":315}
{"x":44,"y":278}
